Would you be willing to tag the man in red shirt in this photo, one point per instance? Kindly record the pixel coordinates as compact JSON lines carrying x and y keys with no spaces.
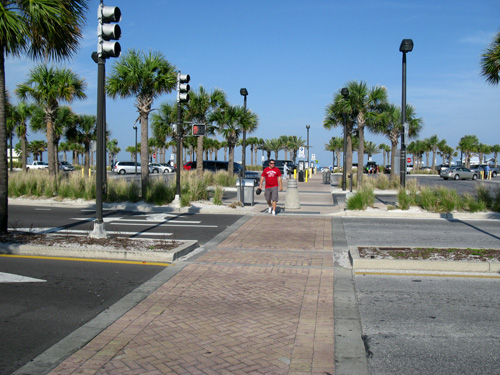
{"x":272,"y":175}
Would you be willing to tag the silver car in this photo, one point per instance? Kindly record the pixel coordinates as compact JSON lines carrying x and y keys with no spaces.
{"x":123,"y":167}
{"x":458,"y":173}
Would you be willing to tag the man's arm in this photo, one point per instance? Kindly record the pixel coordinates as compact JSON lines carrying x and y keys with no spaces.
{"x":280,"y":183}
{"x":261,"y":181}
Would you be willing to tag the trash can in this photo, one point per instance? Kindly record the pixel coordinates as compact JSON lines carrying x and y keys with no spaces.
{"x":248,"y":191}
{"x":326,"y":177}
{"x":301,"y":176}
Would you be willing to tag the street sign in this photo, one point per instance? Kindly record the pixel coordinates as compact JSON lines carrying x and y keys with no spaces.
{"x":408,"y":160}
{"x":302,"y":152}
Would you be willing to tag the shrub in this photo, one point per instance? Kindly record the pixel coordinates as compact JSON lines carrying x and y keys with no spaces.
{"x":361,"y":199}
{"x":218,"y":193}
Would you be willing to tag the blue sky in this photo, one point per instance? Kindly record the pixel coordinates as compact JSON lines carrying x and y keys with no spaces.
{"x":292,"y":56}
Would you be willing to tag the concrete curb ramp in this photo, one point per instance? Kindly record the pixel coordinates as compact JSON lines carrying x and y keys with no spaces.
{"x":101,"y":253}
{"x":421,"y":265}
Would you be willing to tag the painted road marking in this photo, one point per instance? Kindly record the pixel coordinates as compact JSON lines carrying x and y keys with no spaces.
{"x":87,"y":260}
{"x":83,"y":232}
{"x":13,"y":278}
{"x":426,"y":275}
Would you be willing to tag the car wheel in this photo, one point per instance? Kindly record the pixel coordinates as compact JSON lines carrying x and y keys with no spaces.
{"x":457,"y":177}
{"x":474,"y":177}
{"x":122,"y":171}
{"x":493,"y":174}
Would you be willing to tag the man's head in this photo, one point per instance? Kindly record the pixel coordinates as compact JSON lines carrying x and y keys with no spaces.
{"x":272,"y":163}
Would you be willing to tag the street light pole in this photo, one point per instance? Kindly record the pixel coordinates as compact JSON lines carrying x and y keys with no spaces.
{"x":308,"y":164}
{"x":405,"y":47}
{"x":135,"y":128}
{"x":244,"y":93}
{"x":345,"y":94}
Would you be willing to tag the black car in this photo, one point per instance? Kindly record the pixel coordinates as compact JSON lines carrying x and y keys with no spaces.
{"x":371,"y":167}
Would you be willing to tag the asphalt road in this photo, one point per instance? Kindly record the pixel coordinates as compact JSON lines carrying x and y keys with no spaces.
{"x":36,"y":315}
{"x":201,"y":227}
{"x":421,"y":232}
{"x":414,"y":324}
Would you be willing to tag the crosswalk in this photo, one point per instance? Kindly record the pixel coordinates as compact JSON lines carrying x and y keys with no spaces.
{"x":146,"y":221}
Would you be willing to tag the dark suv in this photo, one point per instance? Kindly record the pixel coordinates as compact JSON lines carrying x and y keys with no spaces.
{"x":280,"y":164}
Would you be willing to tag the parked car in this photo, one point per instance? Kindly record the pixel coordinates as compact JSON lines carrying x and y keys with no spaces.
{"x":38,"y":165}
{"x":479,"y":169}
{"x":123,"y":167}
{"x":458,"y":173}
{"x":169,"y":167}
{"x":371,"y":167}
{"x":65,"y":166}
{"x":280,"y":164}
{"x":158,"y":168}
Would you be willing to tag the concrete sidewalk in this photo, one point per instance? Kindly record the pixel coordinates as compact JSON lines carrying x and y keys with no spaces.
{"x":259,"y":302}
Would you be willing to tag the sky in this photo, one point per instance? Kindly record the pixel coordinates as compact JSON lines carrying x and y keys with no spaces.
{"x":293,"y":56}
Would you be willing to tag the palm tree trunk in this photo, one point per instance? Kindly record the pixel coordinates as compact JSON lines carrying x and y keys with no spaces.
{"x":4,"y":175}
{"x":199,"y":156}
{"x":50,"y":148}
{"x":144,"y":153}
{"x":361,"y":151}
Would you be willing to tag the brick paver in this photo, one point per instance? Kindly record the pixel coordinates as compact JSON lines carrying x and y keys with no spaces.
{"x":259,"y":303}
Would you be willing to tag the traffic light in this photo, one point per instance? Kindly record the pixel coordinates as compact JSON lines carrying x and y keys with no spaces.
{"x":108,"y":31}
{"x":183,"y":88}
{"x":198,"y":129}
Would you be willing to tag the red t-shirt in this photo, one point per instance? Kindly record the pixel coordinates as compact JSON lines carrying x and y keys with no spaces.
{"x":271,"y":175}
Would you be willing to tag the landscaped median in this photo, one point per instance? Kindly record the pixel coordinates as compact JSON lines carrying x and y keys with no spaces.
{"x":425,"y":259}
{"x":124,"y":249}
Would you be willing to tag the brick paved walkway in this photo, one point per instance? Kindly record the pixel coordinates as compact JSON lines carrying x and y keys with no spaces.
{"x":259,"y":303}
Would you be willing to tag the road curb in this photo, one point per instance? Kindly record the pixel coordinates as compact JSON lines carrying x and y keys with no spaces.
{"x":101,"y":253}
{"x":421,"y":265}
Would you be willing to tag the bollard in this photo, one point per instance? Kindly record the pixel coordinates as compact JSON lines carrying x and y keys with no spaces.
{"x":350,"y":182}
{"x":292,"y":195}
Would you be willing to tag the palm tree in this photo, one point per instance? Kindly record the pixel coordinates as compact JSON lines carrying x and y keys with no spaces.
{"x":37,"y":148}
{"x":145,"y":76}
{"x":385,"y":150}
{"x":482,"y":150}
{"x":267,"y":147}
{"x":229,"y":120}
{"x":495,"y":149}
{"x":294,"y":143}
{"x":490,"y":62}
{"x":468,"y":144}
{"x":433,"y":142}
{"x":390,"y":126}
{"x":334,"y":116}
{"x":47,"y":86}
{"x":364,"y":105}
{"x":83,"y":131}
{"x":113,"y":150}
{"x":371,"y":148}
{"x":201,"y":104}
{"x":335,"y":145}
{"x":22,"y":113}
{"x":163,"y":122}
{"x":39,"y":29}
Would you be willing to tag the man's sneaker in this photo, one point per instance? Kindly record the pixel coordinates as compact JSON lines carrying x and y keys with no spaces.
{"x":270,"y":210}
{"x":274,"y":213}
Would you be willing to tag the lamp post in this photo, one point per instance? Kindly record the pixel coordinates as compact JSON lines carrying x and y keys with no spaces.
{"x":405,"y":47}
{"x":244,"y":93}
{"x":135,"y":128}
{"x":345,"y":94}
{"x":308,"y":127}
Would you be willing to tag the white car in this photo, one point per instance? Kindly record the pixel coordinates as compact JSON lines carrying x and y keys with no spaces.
{"x":159,"y":168}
